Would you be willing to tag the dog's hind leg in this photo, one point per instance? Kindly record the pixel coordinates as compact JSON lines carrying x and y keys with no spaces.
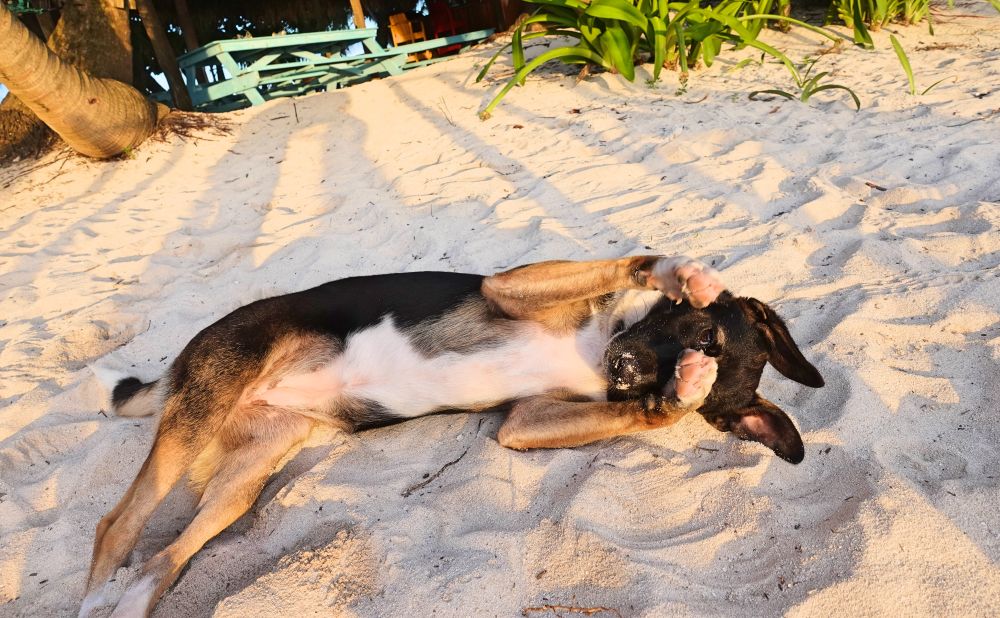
{"x":189,"y":423}
{"x":251,"y":452}
{"x":119,"y":530}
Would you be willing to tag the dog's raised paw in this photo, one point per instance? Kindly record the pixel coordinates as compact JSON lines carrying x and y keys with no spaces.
{"x":694,"y":376}
{"x":683,"y":278}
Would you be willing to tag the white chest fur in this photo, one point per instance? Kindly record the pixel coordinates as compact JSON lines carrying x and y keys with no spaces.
{"x":380,"y":364}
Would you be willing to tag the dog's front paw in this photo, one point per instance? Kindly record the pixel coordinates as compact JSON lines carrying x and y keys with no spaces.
{"x":694,"y":376}
{"x":682,"y":278}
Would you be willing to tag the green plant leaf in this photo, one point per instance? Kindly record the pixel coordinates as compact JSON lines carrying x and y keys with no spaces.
{"x":575,"y":53}
{"x":573,"y":4}
{"x":904,"y":61}
{"x":768,"y":17}
{"x":780,"y":93}
{"x":617,"y":9}
{"x":710,"y":49}
{"x":812,"y":81}
{"x":526,"y":37}
{"x":618,"y":49}
{"x":517,"y":49}
{"x":861,"y":36}
{"x":934,"y":85}
{"x":857,"y":101}
{"x":681,"y":47}
{"x":489,"y":64}
{"x":785,"y":60}
{"x":659,"y":40}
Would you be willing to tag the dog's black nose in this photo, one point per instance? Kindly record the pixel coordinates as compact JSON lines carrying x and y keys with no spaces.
{"x":625,"y":371}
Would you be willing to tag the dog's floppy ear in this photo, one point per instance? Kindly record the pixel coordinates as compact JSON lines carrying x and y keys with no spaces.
{"x":764,"y":422}
{"x":782,"y":352}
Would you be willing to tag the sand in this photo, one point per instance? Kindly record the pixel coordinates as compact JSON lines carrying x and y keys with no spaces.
{"x":876,"y":234}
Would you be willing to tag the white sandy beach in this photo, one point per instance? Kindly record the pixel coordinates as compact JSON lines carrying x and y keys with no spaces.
{"x":892,"y":290}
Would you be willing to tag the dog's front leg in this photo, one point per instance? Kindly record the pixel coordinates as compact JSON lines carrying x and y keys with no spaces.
{"x":556,"y":421}
{"x":560,"y":293}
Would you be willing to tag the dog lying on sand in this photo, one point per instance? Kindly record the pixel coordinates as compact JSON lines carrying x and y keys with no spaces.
{"x":582,"y":351}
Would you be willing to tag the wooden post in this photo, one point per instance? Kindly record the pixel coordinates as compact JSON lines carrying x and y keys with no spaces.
{"x":164,"y":53}
{"x":359,"y":15}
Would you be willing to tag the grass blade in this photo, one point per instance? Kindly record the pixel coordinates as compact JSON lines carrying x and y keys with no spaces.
{"x":861,"y":36}
{"x":617,"y":9}
{"x":903,"y":60}
{"x":659,"y":41}
{"x":934,"y":85}
{"x":767,"y":17}
{"x":780,"y":93}
{"x":575,"y":53}
{"x":857,"y":101}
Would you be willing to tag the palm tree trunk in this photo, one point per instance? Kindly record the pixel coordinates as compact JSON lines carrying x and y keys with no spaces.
{"x":95,"y":35}
{"x":97,"y":117}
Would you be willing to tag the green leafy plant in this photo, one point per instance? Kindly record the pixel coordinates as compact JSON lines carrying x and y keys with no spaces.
{"x":905,"y":63}
{"x":865,"y":15}
{"x":616,"y":34}
{"x":808,"y":86}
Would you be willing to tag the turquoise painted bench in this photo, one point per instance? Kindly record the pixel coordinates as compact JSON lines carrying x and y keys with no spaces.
{"x":244,"y":72}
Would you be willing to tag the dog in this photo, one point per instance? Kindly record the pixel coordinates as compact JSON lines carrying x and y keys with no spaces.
{"x":579,"y":350}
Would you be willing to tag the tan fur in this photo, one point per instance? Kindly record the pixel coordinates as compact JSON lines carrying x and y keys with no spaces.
{"x":561,"y":295}
{"x":119,"y":530}
{"x":550,"y":421}
{"x":293,"y":354}
{"x":230,"y":440}
{"x":253,"y":447}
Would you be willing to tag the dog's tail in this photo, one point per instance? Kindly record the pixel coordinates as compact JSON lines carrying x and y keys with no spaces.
{"x":132,"y":397}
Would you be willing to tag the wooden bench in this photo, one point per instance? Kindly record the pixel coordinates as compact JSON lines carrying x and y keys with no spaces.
{"x":244,"y":72}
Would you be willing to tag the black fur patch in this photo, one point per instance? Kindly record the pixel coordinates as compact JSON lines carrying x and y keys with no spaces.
{"x":125,"y":390}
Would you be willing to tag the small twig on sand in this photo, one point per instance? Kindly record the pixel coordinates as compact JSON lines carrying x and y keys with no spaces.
{"x":586,"y":611}
{"x":296,"y":110}
{"x":875,"y":186}
{"x":10,"y":181}
{"x":430,"y":479}
{"x":444,"y":111}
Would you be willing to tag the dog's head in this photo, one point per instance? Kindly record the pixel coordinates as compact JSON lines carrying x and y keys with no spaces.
{"x":743,"y":334}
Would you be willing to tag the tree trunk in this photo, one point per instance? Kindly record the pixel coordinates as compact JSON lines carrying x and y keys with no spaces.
{"x":94,"y":35}
{"x":189,"y":33}
{"x":97,"y":117}
{"x":164,"y":53}
{"x":359,"y":15}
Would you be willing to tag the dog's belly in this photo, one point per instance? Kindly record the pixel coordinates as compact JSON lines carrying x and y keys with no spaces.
{"x":380,"y":365}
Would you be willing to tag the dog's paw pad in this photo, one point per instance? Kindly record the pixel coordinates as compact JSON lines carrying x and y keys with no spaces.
{"x":683,"y":278}
{"x":694,"y":376}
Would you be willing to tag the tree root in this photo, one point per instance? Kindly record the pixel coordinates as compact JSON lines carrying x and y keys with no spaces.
{"x":190,"y":124}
